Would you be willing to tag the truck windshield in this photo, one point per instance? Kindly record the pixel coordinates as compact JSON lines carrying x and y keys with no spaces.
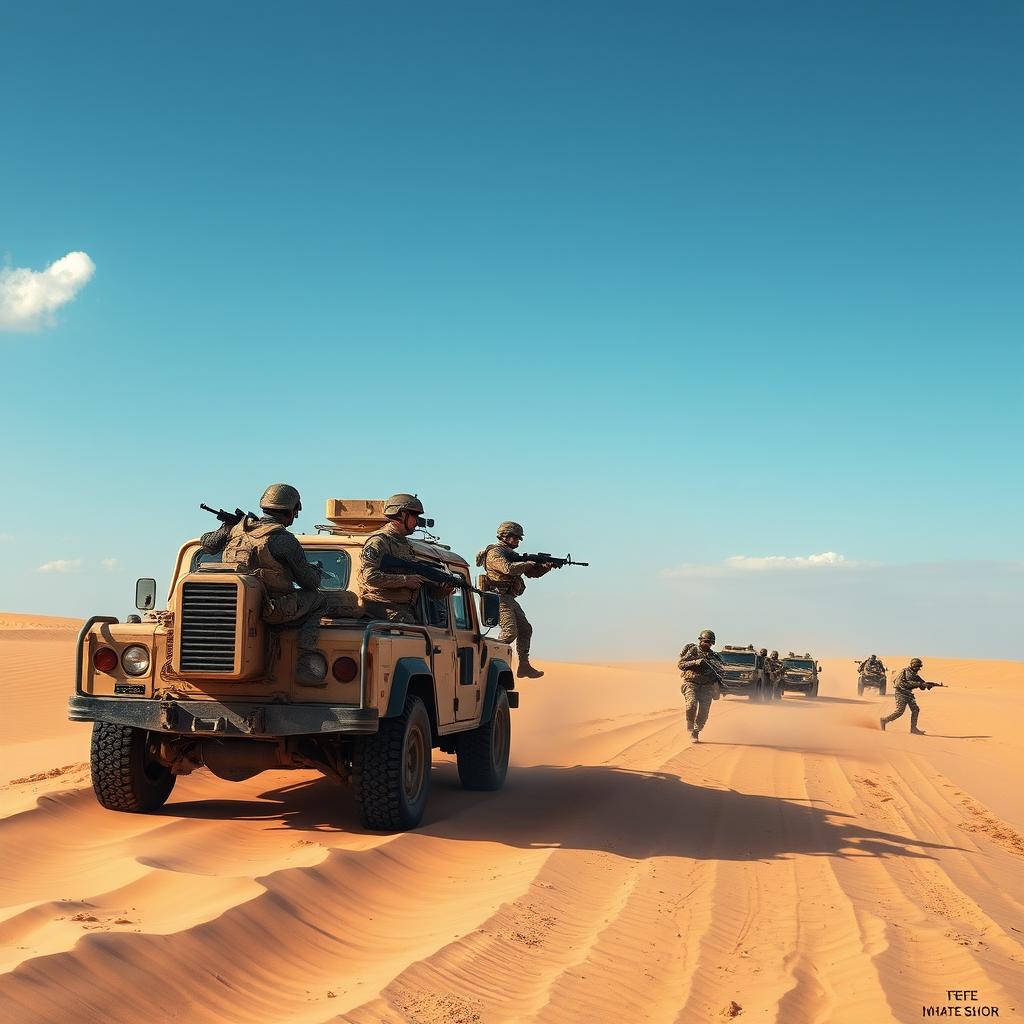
{"x":737,"y":657}
{"x":798,"y":663}
{"x":335,"y":565}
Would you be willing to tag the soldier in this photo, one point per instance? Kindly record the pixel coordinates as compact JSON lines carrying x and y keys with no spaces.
{"x":903,"y":690}
{"x":266,"y":549}
{"x":776,"y":672}
{"x":392,"y":595}
{"x":698,"y":664}
{"x":871,"y":665}
{"x":504,"y":573}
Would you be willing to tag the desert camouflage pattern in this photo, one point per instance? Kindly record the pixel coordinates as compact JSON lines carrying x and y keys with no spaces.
{"x":906,"y":683}
{"x":504,"y":573}
{"x":514,"y":625}
{"x":248,"y":546}
{"x":387,"y":589}
{"x":697,"y":698}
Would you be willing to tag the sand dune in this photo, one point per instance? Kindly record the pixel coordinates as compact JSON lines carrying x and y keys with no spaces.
{"x":799,"y":865}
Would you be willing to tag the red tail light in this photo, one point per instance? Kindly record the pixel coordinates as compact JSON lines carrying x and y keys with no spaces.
{"x":104,"y":660}
{"x":344,"y":669}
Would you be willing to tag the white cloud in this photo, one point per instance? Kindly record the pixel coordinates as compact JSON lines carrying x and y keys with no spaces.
{"x":61,"y":565}
{"x":736,"y":565}
{"x":29,"y":298}
{"x":109,"y":564}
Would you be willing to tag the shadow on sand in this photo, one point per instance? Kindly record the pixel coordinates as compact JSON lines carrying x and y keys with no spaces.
{"x":628,"y":813}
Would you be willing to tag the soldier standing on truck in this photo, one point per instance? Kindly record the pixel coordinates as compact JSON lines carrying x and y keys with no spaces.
{"x":504,"y":571}
{"x":906,"y":683}
{"x":699,"y":665}
{"x":264,"y":548}
{"x":393,"y":595}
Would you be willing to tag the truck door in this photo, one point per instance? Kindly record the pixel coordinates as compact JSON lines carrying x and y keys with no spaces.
{"x":437,"y":616}
{"x":467,"y":656}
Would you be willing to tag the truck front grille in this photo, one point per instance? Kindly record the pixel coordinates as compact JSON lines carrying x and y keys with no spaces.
{"x":208,"y":616}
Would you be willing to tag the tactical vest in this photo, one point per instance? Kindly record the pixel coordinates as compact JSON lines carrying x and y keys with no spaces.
{"x":514,"y":585}
{"x":248,"y":547}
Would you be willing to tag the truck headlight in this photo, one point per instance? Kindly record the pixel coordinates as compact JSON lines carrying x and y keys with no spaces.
{"x":135,"y":660}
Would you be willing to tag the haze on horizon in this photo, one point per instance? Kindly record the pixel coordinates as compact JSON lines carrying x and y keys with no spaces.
{"x":725,"y":301}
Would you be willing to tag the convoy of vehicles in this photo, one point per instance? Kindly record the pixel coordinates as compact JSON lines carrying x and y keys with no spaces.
{"x":744,"y":672}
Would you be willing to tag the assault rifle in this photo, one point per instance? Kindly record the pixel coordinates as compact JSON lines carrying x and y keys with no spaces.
{"x":229,"y":518}
{"x":552,"y":560}
{"x":433,"y":573}
{"x":931,"y":686}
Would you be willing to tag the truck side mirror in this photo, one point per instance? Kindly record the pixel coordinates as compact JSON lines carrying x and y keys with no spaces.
{"x":145,"y":594}
{"x":490,"y":609}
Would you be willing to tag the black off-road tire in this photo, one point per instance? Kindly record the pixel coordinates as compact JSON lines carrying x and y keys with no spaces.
{"x":391,"y":770}
{"x":881,"y":690}
{"x":813,"y":691}
{"x":860,"y":688}
{"x":125,"y":775}
{"x":482,"y":753}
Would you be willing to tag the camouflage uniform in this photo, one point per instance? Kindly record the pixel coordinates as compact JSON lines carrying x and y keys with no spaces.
{"x":903,"y":690}
{"x":505,"y":576}
{"x":387,"y":595}
{"x":265,"y":549}
{"x":700,"y":686}
{"x":776,"y":673}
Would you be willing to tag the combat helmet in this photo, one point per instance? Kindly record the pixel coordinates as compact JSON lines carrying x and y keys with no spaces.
{"x":916,"y":663}
{"x":399,"y":503}
{"x":282,"y":498}
{"x":709,"y":633}
{"x":508,"y":528}
{"x":763,"y":652}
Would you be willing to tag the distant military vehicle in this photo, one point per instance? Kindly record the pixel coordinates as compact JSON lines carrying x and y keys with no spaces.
{"x":871,"y":677}
{"x":744,"y":673}
{"x":801,"y":674}
{"x":207,"y":683}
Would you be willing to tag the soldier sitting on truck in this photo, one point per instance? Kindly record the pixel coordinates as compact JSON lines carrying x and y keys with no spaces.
{"x":392,"y":595}
{"x":871,"y":666}
{"x":265,"y":548}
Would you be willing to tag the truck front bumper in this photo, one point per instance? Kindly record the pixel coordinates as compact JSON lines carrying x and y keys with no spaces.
{"x":212,"y":718}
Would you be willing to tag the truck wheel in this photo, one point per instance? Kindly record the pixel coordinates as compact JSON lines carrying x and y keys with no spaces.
{"x":391,"y":770}
{"x":860,"y":688}
{"x":881,"y":690}
{"x":482,"y":753}
{"x":813,"y":691}
{"x":126,"y":776}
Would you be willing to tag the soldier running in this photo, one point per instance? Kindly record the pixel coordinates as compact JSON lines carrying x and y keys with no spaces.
{"x":776,"y":673}
{"x":699,"y":665}
{"x":906,"y":683}
{"x":504,"y":573}
{"x":266,"y":549}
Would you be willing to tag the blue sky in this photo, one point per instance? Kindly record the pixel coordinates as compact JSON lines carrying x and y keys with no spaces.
{"x":667,"y":283}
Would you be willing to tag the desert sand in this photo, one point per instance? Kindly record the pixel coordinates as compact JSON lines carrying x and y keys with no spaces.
{"x":797,"y":866}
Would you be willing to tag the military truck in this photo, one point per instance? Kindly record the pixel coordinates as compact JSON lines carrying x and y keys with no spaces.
{"x":868,"y":678}
{"x":801,"y":674}
{"x":206,"y":683}
{"x":744,"y":673}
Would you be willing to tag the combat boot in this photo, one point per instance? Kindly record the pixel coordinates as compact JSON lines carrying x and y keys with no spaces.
{"x":527,"y":671}
{"x":695,"y":735}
